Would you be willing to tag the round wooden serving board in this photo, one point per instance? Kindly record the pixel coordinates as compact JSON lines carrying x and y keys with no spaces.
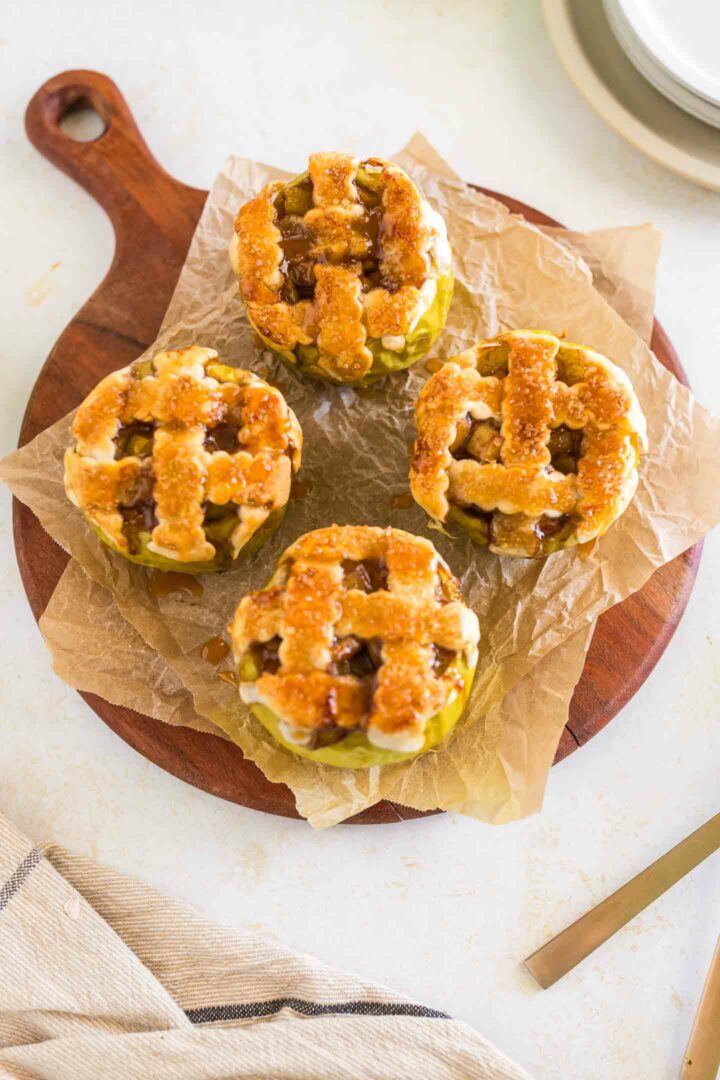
{"x":154,"y":217}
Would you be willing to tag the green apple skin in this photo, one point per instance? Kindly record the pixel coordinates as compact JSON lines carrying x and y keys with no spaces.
{"x":355,"y":751}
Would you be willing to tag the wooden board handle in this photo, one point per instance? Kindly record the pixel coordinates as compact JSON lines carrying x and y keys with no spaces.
{"x":117,"y":167}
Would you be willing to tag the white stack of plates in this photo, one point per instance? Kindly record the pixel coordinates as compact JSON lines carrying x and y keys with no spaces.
{"x":675,"y":45}
{"x":660,"y":88}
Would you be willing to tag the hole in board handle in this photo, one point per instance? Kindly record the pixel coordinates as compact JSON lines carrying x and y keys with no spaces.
{"x":82,"y":122}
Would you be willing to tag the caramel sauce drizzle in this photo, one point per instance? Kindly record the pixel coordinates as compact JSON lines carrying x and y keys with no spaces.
{"x":299,"y":491}
{"x":214,"y":650}
{"x":587,"y":549}
{"x":228,"y":677}
{"x":166,"y":582}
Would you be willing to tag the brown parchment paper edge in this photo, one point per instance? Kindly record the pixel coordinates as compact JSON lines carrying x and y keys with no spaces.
{"x":512,"y":804}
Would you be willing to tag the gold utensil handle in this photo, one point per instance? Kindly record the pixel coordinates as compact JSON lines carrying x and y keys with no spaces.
{"x":560,"y":955}
{"x":702,"y":1057}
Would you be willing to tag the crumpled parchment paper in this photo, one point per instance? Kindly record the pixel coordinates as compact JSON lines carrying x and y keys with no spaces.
{"x":537,"y":618}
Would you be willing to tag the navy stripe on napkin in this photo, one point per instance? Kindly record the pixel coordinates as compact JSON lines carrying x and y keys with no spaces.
{"x":23,"y":871}
{"x":252,"y":1010}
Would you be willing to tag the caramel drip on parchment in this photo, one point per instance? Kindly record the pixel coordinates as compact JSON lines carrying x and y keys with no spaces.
{"x":214,"y":650}
{"x":166,"y":582}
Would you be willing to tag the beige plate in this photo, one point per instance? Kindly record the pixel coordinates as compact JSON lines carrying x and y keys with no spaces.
{"x":597,"y":65}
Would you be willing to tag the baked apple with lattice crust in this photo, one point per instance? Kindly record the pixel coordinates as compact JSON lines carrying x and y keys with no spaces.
{"x":346,"y":270}
{"x":183,"y":463}
{"x":528,"y":443}
{"x":360,"y":650}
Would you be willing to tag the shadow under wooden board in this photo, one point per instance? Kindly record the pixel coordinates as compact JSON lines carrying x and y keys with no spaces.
{"x":154,"y":217}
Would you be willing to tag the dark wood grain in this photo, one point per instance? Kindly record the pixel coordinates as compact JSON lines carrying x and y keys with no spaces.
{"x":154,"y":217}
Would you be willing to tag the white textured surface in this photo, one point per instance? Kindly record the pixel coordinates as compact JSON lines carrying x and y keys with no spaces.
{"x":443,"y":909}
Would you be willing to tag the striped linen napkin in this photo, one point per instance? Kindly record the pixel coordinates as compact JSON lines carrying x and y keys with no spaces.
{"x":102,"y":977}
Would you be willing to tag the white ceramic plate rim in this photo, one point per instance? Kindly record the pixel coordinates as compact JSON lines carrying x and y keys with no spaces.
{"x":562,"y":34}
{"x":696,"y":78}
